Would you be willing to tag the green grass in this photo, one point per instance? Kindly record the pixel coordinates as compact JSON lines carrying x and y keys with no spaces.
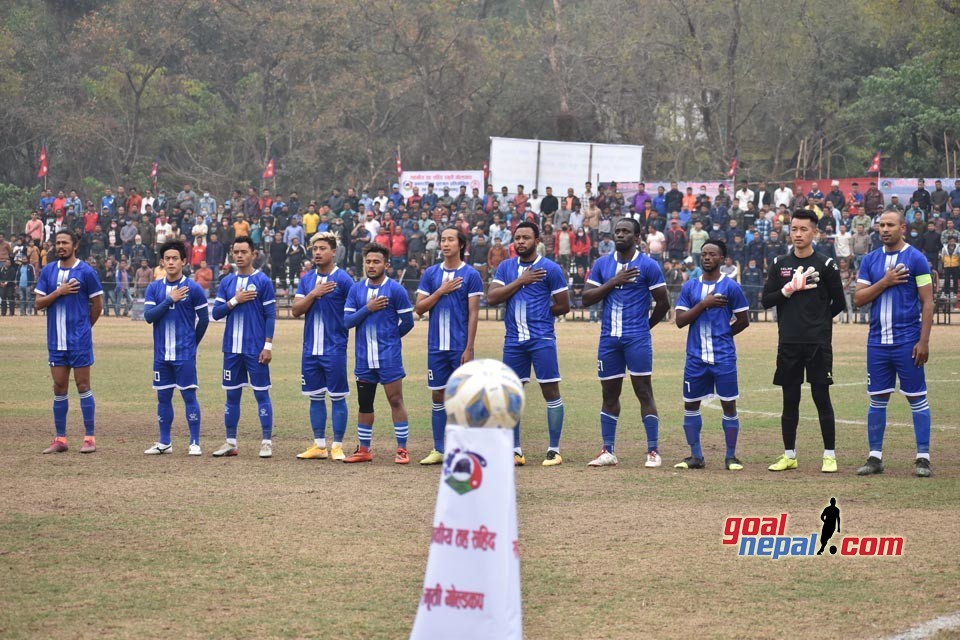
{"x":119,"y":545}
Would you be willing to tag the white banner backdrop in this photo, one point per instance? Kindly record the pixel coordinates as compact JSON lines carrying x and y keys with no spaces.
{"x":472,"y":584}
{"x":561,"y":165}
{"x":440,"y":179}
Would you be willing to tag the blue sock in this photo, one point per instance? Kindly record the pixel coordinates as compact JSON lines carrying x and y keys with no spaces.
{"x":692,"y":424}
{"x":192,"y":407}
{"x":516,"y":436}
{"x":555,"y":421}
{"x":165,"y":413}
{"x":438,"y":423}
{"x":318,"y":415}
{"x":608,"y":430}
{"x":401,"y":430}
{"x":876,"y":422}
{"x":731,"y":429}
{"x":365,"y":434}
{"x":231,"y":412}
{"x":338,"y":407}
{"x":921,"y":422}
{"x":266,"y":412}
{"x":61,"y":405}
{"x":652,"y":425}
{"x":88,"y":407}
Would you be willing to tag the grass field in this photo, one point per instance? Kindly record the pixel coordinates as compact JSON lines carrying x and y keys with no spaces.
{"x":119,"y":545}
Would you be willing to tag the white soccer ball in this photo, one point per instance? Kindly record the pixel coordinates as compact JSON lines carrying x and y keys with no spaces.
{"x":484,"y":393}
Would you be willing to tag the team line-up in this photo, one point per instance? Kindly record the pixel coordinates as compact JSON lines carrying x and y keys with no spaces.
{"x":804,"y":286}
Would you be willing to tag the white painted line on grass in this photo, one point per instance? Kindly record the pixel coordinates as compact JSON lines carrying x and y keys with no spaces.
{"x":844,"y":384}
{"x":711,"y":404}
{"x":930,"y":628}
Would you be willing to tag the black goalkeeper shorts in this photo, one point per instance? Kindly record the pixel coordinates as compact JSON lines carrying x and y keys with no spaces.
{"x":794,"y":359}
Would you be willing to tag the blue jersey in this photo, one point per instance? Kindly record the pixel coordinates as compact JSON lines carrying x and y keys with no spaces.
{"x":324,"y":331}
{"x":626,"y":309}
{"x":895,"y":313}
{"x":377,"y":342}
{"x":448,"y":318}
{"x":175,"y":334}
{"x":247,"y":323}
{"x":68,"y":318}
{"x":710,"y":338}
{"x":528,"y":314}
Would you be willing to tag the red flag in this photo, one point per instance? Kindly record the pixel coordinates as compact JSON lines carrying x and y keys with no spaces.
{"x":875,"y":164}
{"x":399,"y":166}
{"x":733,"y":165}
{"x":269,"y":171}
{"x":156,"y":168}
{"x":43,"y":162}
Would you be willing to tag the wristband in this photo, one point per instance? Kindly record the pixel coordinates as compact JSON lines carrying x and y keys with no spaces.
{"x":232,"y":302}
{"x":268,"y":346}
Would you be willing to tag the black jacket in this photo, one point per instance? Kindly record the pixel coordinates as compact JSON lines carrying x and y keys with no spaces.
{"x":806,"y":317}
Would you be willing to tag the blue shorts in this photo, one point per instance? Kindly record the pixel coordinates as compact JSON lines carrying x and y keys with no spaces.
{"x":886,"y":364}
{"x":542,"y":354}
{"x":383,"y":375}
{"x":440,"y":366}
{"x":616,"y":357}
{"x":73,"y":359}
{"x":181,"y":374}
{"x":702,"y":381}
{"x":324,"y":374}
{"x":245,"y":370}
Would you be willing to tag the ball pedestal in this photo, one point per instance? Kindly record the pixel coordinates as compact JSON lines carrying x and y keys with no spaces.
{"x":472,"y":585}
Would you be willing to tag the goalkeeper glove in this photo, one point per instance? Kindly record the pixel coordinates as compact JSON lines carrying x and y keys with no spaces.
{"x":803,"y":280}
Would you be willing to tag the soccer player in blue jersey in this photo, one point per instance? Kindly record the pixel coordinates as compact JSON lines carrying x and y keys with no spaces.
{"x":535,"y":290}
{"x":247,"y":302}
{"x":321,"y":297}
{"x":177,"y":309}
{"x":625,"y":281}
{"x":381,"y":311}
{"x":451,"y":292}
{"x":70,"y":290}
{"x":715,"y":309}
{"x":895,"y":280}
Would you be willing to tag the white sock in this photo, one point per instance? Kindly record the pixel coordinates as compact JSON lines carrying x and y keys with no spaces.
{"x":518,"y":451}
{"x":829,"y":453}
{"x":320,"y":442}
{"x":790,"y":453}
{"x":876,"y":454}
{"x":337,"y":443}
{"x":925,"y":456}
{"x":266,"y":442}
{"x":557,"y":449}
{"x":232,"y":441}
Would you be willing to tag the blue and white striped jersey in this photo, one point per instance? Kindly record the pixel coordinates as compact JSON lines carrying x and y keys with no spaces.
{"x":895,"y":313}
{"x":710,"y":338}
{"x":448,"y":318}
{"x":247,"y":323}
{"x":68,"y":318}
{"x":377,"y":343}
{"x":324,"y":331}
{"x":626,"y":309}
{"x":175,"y":334}
{"x":528,"y":314}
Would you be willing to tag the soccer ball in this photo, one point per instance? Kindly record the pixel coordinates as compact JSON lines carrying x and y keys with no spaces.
{"x":484,"y":393}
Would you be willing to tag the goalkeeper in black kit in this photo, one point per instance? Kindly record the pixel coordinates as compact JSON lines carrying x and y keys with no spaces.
{"x":806,"y":289}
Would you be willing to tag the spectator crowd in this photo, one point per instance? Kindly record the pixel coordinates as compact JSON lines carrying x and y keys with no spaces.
{"x":120,"y":232}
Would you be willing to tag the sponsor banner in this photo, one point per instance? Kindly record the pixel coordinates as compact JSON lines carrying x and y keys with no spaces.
{"x":472,"y":585}
{"x":440,"y":179}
